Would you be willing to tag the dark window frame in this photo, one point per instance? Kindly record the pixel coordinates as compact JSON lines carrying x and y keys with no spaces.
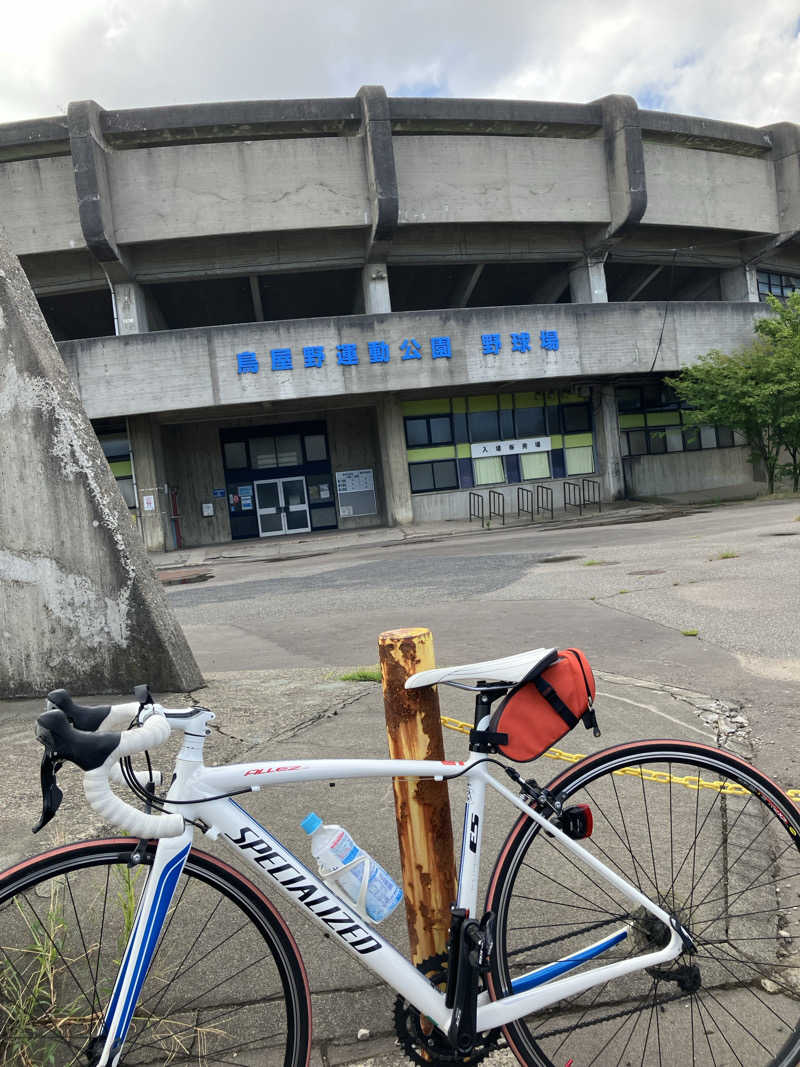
{"x":432,"y":463}
{"x":429,"y":443}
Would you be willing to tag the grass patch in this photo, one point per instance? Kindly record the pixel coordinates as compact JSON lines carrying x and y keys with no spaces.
{"x":690,"y":633}
{"x":622,"y":592}
{"x":726,"y":555}
{"x":596,"y":562}
{"x":362,"y":674}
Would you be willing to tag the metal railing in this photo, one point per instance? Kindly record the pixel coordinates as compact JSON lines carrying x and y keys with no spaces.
{"x":544,"y":499}
{"x":591,"y":493}
{"x":497,"y":505}
{"x":524,"y":502}
{"x":476,"y":507}
{"x":573,"y":496}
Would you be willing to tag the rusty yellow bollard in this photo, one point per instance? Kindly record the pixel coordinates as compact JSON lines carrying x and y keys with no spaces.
{"x":422,"y":806}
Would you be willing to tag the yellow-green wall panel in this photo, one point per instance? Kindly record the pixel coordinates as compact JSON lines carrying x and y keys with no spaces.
{"x":426,"y":407}
{"x":417,"y":455}
{"x":663,"y":418}
{"x":630,"y":422}
{"x":482,"y":403}
{"x":576,"y":440}
{"x":121,"y":468}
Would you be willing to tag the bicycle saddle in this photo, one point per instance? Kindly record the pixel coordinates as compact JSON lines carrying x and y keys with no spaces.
{"x":511,"y":669}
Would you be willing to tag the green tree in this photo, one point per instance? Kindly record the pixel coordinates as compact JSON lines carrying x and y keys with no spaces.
{"x":755,"y":390}
{"x":783,"y":333}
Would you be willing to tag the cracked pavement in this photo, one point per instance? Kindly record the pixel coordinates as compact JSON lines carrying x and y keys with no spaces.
{"x":273,"y":640}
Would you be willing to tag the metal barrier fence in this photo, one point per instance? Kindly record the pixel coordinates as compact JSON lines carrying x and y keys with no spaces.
{"x":544,"y":499}
{"x":591,"y":493}
{"x":573,"y":497}
{"x":476,"y":507}
{"x":524,"y":502}
{"x":497,"y":505}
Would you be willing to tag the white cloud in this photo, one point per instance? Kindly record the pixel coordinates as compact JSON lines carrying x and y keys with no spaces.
{"x":723,"y":60}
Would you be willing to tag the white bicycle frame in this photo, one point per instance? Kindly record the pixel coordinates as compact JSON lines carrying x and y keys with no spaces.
{"x":270,"y":859}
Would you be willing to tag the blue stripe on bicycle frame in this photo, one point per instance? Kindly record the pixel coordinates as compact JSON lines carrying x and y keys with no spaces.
{"x":161,"y":902}
{"x":553,"y":970}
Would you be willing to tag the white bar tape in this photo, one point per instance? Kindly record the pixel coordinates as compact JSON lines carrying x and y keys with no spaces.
{"x":120,"y":716}
{"x":142,"y":777}
{"x":115,"y":811}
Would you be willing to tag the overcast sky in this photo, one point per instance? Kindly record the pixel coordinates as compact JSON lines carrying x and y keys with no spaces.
{"x":737,"y":60}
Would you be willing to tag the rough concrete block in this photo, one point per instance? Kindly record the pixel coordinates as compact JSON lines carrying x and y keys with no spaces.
{"x":80,"y":605}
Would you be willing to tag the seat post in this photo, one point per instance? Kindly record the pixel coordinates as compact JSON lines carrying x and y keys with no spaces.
{"x":483,"y":703}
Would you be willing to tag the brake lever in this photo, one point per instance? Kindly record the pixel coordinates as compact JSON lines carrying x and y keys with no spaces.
{"x":51,"y":794}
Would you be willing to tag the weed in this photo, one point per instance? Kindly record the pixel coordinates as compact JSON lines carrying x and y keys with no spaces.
{"x":623,"y":591}
{"x":593,"y":563}
{"x":690,"y":633}
{"x":726,"y":555}
{"x":362,"y":674}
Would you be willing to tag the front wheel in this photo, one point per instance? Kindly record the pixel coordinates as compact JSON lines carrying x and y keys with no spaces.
{"x":226,"y":984}
{"x":717,"y":845}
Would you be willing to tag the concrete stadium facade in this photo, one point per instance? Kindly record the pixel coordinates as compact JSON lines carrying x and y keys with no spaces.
{"x":313,"y":314}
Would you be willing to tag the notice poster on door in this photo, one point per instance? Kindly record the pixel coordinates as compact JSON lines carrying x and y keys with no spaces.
{"x":240,"y":498}
{"x":356,"y":493}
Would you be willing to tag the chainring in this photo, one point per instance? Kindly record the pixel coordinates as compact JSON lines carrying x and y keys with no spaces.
{"x":431,"y":1048}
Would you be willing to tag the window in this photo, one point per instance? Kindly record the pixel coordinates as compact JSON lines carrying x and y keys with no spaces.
{"x":440,"y":474}
{"x":483,"y":426}
{"x":531,"y":422}
{"x":657,"y":442}
{"x":315,"y":447}
{"x":429,"y":430}
{"x":780,"y":285}
{"x":287,"y":448}
{"x":235,"y":454}
{"x":580,"y":460}
{"x":489,"y":471}
{"x":724,"y":437}
{"x":262,"y":450}
{"x":535,"y":465}
{"x":577,"y":418}
{"x":637,"y":443}
{"x":629,"y":399}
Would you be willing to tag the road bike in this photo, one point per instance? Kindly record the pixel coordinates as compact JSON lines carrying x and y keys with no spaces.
{"x":643,"y":908}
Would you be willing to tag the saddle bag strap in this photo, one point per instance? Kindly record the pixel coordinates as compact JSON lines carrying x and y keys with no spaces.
{"x":555,"y":701}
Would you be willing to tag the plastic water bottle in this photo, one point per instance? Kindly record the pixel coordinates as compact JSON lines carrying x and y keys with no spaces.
{"x":365,"y":882}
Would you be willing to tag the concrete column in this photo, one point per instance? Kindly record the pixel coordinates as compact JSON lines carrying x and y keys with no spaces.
{"x":587,"y":281}
{"x":609,"y":455}
{"x":739,"y":283}
{"x":375,"y":285}
{"x":392,"y":443}
{"x":148,"y":465}
{"x":130,"y":302}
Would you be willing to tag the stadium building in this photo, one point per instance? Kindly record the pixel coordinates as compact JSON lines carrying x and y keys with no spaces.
{"x":302,"y":315}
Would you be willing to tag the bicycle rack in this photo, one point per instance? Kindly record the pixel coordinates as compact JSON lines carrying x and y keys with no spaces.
{"x":524,"y":501}
{"x":591,"y":493}
{"x":476,"y":507}
{"x":544,"y":499}
{"x":573,"y":497}
{"x":497,"y":505}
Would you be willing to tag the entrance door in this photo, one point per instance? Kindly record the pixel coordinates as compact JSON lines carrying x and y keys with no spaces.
{"x":282,"y":506}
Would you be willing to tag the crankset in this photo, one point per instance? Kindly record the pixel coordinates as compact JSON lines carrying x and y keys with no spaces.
{"x":421,"y":1041}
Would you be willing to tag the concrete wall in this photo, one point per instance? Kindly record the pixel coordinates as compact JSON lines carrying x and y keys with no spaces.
{"x":713,"y":468}
{"x":245,"y":187}
{"x":194,"y":466}
{"x":80,"y":606}
{"x":505,"y":179}
{"x":353,"y":443}
{"x":184,"y":369}
{"x":709,"y":189}
{"x":38,"y":206}
{"x":433,"y":507}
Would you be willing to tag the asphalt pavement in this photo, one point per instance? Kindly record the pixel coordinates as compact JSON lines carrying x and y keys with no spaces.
{"x":274,"y":637}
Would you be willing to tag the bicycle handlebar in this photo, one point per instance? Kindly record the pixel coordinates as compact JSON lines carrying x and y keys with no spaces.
{"x":107,"y":804}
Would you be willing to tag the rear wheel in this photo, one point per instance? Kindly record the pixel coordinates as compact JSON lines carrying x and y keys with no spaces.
{"x":226,"y":985}
{"x":716,"y":844}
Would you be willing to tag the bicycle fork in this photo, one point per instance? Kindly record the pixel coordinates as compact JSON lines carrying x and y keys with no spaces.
{"x":171,"y":854}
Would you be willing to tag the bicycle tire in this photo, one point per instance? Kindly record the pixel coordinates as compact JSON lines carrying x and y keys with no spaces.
{"x":709,"y":838}
{"x":226,"y":985}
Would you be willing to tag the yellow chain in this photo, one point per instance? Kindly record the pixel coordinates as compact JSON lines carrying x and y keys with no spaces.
{"x":690,"y":781}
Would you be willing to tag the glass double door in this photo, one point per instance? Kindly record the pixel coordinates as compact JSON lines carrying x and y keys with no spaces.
{"x":282,"y":506}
